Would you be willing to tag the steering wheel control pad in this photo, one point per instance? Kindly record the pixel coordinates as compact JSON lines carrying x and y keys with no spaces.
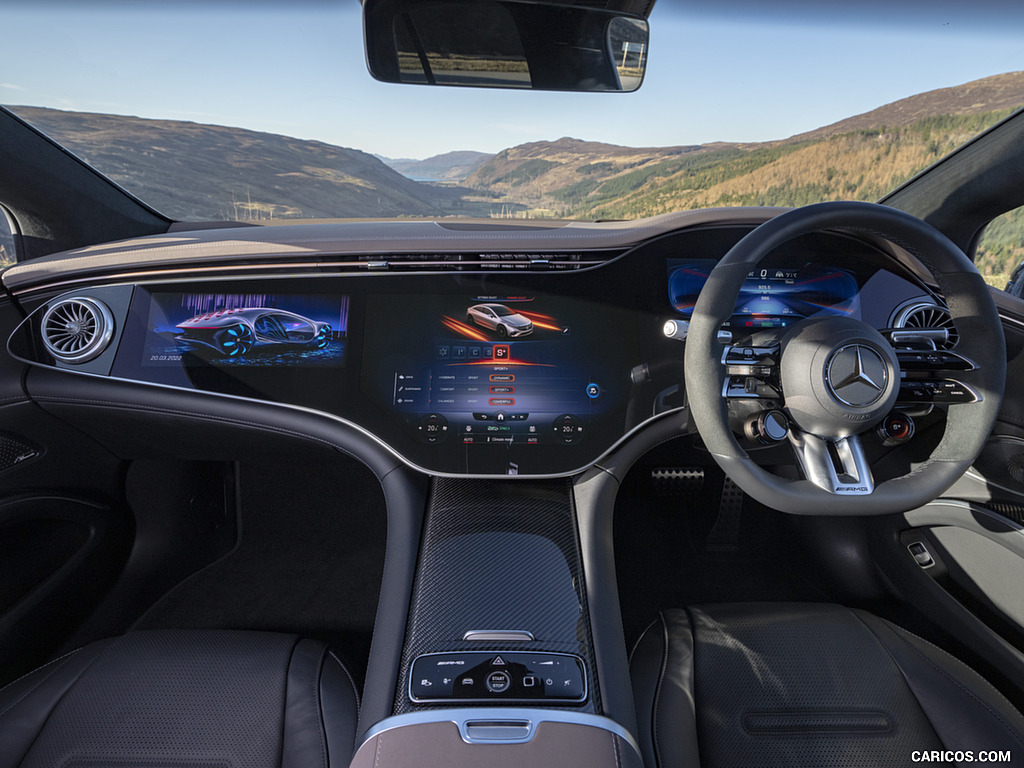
{"x":839,"y":376}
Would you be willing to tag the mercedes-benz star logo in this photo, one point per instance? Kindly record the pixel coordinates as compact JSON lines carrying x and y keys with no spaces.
{"x":857,"y":375}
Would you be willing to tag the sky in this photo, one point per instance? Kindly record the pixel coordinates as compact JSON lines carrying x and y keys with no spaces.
{"x":732,"y":70}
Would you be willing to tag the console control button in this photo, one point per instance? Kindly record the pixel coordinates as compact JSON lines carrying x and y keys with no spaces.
{"x":498,"y":682}
{"x":507,"y":676}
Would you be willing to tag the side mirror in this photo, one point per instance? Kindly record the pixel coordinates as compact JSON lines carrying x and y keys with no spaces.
{"x":1016,"y":285}
{"x":504,"y":44}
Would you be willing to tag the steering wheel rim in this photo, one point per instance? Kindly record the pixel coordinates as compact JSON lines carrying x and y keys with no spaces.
{"x":972,"y":311}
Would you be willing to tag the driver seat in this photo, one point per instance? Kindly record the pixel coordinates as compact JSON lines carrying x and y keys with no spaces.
{"x":803,"y":684}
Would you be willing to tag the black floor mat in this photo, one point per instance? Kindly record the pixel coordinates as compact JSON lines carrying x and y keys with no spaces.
{"x":673,"y":548}
{"x":309,"y":559}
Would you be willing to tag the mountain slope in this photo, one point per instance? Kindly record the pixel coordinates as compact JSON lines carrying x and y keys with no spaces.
{"x":555,"y":173}
{"x":991,"y":94}
{"x":859,"y":158}
{"x":451,"y":166}
{"x":195,"y":172}
{"x":859,"y":165}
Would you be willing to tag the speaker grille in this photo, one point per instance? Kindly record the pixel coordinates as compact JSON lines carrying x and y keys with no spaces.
{"x":78,"y":329}
{"x":15,"y":450}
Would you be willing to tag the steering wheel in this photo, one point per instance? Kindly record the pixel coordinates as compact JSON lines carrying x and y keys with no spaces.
{"x":837,"y":377}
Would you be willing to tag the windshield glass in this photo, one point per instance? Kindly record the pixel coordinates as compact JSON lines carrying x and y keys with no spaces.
{"x":264,"y":112}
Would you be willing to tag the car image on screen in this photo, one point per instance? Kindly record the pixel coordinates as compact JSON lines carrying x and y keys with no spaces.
{"x":235,"y":332}
{"x":500,"y":319}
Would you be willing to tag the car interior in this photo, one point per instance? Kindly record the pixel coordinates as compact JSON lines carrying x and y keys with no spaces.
{"x":749,"y":491}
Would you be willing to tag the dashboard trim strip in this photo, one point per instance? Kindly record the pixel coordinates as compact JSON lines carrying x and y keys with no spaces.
{"x":365,"y":237}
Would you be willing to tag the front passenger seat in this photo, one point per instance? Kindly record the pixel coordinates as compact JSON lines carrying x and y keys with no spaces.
{"x":171,"y":699}
{"x":804,"y":685}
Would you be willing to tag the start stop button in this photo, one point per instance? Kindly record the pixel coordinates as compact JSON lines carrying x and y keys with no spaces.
{"x":498,"y":681}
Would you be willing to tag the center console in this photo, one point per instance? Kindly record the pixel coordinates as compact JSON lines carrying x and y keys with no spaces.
{"x":498,"y":664}
{"x":499,"y":609}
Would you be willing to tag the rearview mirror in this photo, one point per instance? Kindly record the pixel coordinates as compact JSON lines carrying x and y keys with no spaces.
{"x":504,"y":44}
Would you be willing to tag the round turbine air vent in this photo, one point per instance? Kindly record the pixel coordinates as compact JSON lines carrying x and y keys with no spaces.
{"x":924,"y":314}
{"x":78,"y":329}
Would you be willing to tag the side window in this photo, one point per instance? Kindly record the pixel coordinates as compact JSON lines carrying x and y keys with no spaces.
{"x":7,"y":256}
{"x":1001,"y":252}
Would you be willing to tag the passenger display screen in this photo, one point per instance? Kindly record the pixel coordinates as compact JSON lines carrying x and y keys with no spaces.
{"x":773,"y":297}
{"x":246,"y":330}
{"x":497,"y":371}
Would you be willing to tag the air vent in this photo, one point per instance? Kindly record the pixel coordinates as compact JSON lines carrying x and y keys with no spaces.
{"x":78,"y":329}
{"x":926,"y":314}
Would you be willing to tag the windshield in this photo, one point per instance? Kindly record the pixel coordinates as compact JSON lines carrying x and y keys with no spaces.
{"x":265,"y":112}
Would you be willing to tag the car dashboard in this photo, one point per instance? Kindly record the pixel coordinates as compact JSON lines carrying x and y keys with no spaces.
{"x":567,"y":360}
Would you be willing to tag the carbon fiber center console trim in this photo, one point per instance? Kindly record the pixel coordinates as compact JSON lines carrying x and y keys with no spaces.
{"x":503,"y":555}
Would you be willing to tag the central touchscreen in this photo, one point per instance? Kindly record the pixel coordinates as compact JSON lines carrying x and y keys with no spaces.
{"x":496,"y":370}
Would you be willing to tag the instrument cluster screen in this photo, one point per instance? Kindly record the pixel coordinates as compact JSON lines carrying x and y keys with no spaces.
{"x":489,"y":372}
{"x":771,"y":297}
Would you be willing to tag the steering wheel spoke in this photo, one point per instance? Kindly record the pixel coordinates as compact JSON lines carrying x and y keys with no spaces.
{"x":751,"y":372}
{"x":838,"y":466}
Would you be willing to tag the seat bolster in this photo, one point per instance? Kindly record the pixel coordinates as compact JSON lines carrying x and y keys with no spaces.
{"x":965,"y":710}
{"x":339,"y":701}
{"x":183,"y":698}
{"x":26,"y":703}
{"x":661,"y":666}
{"x":321,"y":710}
{"x":303,"y":742}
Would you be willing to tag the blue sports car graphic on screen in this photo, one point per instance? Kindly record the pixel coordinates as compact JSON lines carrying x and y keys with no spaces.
{"x":234,"y":332}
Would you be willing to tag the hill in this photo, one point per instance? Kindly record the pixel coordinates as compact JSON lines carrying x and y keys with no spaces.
{"x":559,"y":174}
{"x":991,"y":94}
{"x":860,"y":165}
{"x":859,"y":158}
{"x":449,"y":167}
{"x":199,"y":172}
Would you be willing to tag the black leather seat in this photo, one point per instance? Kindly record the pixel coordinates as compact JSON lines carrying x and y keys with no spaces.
{"x":787,"y":685}
{"x":166,"y":699}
